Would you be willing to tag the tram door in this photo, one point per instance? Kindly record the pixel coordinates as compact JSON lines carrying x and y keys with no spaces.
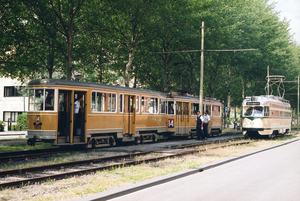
{"x":182,"y":118}
{"x":64,"y":116}
{"x":185,"y":118}
{"x":179,"y":116}
{"x":79,"y":116}
{"x":129,"y":114}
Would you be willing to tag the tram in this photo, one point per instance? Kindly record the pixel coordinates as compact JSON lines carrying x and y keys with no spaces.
{"x":266,"y":115}
{"x":78,"y":113}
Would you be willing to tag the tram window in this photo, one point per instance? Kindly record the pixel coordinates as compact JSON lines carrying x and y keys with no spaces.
{"x":149,"y":105}
{"x":104,"y":102}
{"x":137,"y":104}
{"x":49,"y":101}
{"x":38,"y":102}
{"x":208,"y":108}
{"x":249,"y":111}
{"x":171,"y":107}
{"x":266,"y":111}
{"x":31,"y":100}
{"x":216,"y":111}
{"x":254,"y":111}
{"x":121,"y":103}
{"x":194,"y":108}
{"x":93,"y":101}
{"x":162,"y":106}
{"x":113,"y":102}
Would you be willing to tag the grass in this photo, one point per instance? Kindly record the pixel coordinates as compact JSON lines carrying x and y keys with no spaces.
{"x":79,"y":186}
{"x":25,"y":147}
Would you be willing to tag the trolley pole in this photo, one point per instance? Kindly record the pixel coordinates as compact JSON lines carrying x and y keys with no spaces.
{"x":201,"y":70}
{"x":268,"y":80}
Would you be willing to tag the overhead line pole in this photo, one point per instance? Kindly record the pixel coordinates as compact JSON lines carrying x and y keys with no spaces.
{"x":202,"y":70}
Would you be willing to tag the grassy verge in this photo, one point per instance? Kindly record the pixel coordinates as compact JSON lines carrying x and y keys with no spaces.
{"x":79,"y":186}
{"x":24,"y":147}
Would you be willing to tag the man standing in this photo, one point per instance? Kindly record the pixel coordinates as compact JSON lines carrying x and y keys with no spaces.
{"x":205,"y":123}
{"x":199,"y":121}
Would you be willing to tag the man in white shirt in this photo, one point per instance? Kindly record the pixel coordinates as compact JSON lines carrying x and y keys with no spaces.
{"x":199,"y":121}
{"x":206,"y":120}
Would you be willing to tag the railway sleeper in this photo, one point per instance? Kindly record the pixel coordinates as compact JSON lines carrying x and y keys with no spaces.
{"x":101,"y":141}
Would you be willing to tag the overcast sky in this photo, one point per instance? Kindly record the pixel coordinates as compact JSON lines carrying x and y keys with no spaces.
{"x":291,"y":10}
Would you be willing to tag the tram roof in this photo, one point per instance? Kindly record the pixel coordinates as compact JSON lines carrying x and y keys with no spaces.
{"x":53,"y":82}
{"x":263,"y":99}
{"x":59,"y":82}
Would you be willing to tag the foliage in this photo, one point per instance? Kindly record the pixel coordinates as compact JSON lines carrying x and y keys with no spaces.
{"x":21,"y":122}
{"x":2,"y":125}
{"x":116,"y":42}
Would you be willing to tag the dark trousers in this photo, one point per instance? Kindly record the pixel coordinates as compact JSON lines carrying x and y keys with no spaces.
{"x":205,"y":130}
{"x":199,"y":134}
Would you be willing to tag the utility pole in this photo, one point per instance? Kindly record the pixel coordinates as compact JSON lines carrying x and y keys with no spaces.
{"x":202,"y":70}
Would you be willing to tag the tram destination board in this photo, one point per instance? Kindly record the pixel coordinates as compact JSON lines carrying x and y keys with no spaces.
{"x":253,"y":103}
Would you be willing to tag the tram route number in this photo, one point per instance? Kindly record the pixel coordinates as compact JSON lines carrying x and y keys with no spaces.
{"x":170,"y":123}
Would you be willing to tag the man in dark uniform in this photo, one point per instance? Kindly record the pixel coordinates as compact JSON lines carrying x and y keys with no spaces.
{"x":199,"y":121}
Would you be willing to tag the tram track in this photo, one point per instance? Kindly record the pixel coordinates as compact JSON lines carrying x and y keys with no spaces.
{"x":27,"y":176}
{"x":46,"y":153}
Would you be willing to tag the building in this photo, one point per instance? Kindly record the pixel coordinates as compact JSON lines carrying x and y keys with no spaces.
{"x":12,"y":102}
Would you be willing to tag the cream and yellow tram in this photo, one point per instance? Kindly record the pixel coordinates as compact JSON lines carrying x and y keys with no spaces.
{"x":78,"y":113}
{"x":266,"y":115}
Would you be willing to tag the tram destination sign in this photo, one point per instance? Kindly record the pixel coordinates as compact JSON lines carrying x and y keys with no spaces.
{"x":252,"y":103}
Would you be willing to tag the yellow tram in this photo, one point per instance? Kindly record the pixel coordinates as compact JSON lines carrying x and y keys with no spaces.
{"x":78,"y":113}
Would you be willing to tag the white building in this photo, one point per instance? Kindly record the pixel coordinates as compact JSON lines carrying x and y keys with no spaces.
{"x":12,"y":103}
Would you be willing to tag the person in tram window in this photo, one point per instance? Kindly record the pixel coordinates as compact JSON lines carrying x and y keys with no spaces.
{"x":199,"y":120}
{"x":206,"y":120}
{"x":49,"y":100}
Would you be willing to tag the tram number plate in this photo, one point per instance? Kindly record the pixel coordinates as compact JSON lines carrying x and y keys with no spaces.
{"x":170,"y":123}
{"x":253,"y":103}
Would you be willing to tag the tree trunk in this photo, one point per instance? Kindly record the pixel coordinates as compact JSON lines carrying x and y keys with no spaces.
{"x":229,"y":97}
{"x":166,"y":88}
{"x":69,"y":53}
{"x":129,"y":64}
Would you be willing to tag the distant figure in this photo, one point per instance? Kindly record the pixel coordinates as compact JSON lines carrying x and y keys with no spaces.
{"x":199,"y":121}
{"x":206,"y":120}
{"x":235,"y":124}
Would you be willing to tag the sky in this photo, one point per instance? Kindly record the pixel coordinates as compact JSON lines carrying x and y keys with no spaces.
{"x":290,"y":9}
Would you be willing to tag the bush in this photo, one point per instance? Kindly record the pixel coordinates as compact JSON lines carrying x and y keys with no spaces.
{"x":2,"y":124}
{"x":21,"y":122}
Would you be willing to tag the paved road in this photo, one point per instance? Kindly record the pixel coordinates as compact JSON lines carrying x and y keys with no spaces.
{"x":271,"y":175}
